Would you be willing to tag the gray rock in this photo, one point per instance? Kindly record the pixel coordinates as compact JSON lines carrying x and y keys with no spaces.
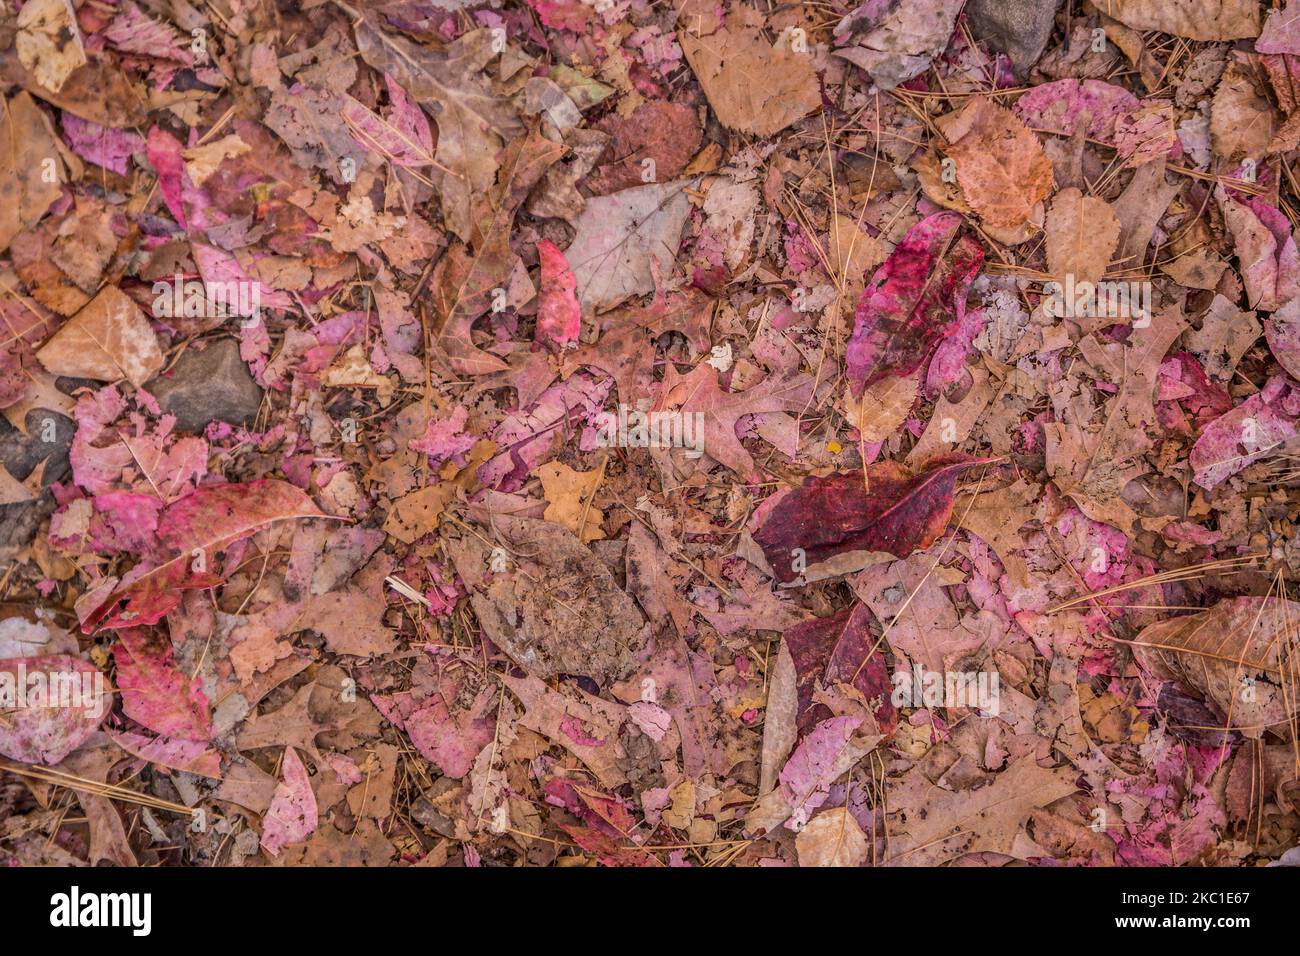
{"x":1018,"y":28}
{"x":211,"y":385}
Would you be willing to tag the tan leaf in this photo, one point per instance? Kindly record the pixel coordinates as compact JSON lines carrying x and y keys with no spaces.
{"x":1237,"y":654}
{"x":202,"y":161}
{"x":417,"y":514}
{"x":930,"y":824}
{"x":883,"y":406}
{"x":549,"y":712}
{"x":569,"y":493}
{"x":28,"y":154}
{"x":1241,"y":117}
{"x":753,"y":86}
{"x":1193,"y":19}
{"x":546,"y":600}
{"x":852,"y":254}
{"x":832,"y":838}
{"x":49,"y":42}
{"x":1082,"y":232}
{"x":779,"y":719}
{"x":109,"y":339}
{"x":1001,"y":167}
{"x":620,"y":235}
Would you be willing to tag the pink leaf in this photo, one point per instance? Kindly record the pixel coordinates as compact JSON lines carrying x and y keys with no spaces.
{"x":174,"y":753}
{"x":1246,"y":434}
{"x":110,"y":148}
{"x":292,"y":817}
{"x":404,"y":137}
{"x":191,"y":530}
{"x":915,"y":300}
{"x":1059,"y":107}
{"x":133,"y":32}
{"x":154,"y":691}
{"x":37,"y":726}
{"x":559,"y":317}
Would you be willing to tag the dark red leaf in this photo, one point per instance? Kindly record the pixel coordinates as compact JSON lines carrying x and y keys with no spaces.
{"x":915,"y":300}
{"x":831,"y":650}
{"x":897,"y":512}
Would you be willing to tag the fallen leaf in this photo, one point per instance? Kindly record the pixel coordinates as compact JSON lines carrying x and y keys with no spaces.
{"x":570,"y":494}
{"x":726,"y":61}
{"x":832,"y":838}
{"x":36,"y":729}
{"x":49,"y":42}
{"x":896,"y":512}
{"x":619,"y":237}
{"x":915,"y":299}
{"x":30,"y":167}
{"x":1234,"y":655}
{"x":293,"y":816}
{"x":1002,"y":170}
{"x":1082,"y":233}
{"x":109,"y":339}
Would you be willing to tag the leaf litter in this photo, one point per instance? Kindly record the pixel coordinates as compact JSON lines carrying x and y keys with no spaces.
{"x":467,"y":434}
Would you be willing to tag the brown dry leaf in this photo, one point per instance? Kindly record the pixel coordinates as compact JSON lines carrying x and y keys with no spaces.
{"x":929,"y":173}
{"x":417,"y":514}
{"x":473,"y":123}
{"x":1192,"y":19}
{"x":109,"y":339}
{"x":852,"y":254}
{"x":883,"y":407}
{"x":930,"y":825}
{"x":653,"y":578}
{"x":464,"y":281}
{"x":832,"y":838}
{"x":1139,"y":208}
{"x":49,"y":41}
{"x":544,"y":599}
{"x":780,"y":718}
{"x":351,"y":619}
{"x":569,"y":493}
{"x":1241,"y":117}
{"x":1001,"y":167}
{"x":1237,"y":654}
{"x":1082,"y":232}
{"x":1093,"y":466}
{"x":202,"y":161}
{"x":752,"y":86}
{"x":620,"y":235}
{"x":554,"y":714}
{"x":30,"y":167}
{"x":100,"y":92}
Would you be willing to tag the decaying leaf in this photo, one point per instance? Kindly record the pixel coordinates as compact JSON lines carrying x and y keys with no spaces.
{"x":619,"y":237}
{"x":832,"y":838}
{"x":1001,"y":168}
{"x":1237,"y":655}
{"x":885,"y":510}
{"x":1082,"y":233}
{"x":543,"y":600}
{"x":49,"y":41}
{"x":914,"y":300}
{"x":728,"y":58}
{"x":109,"y":339}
